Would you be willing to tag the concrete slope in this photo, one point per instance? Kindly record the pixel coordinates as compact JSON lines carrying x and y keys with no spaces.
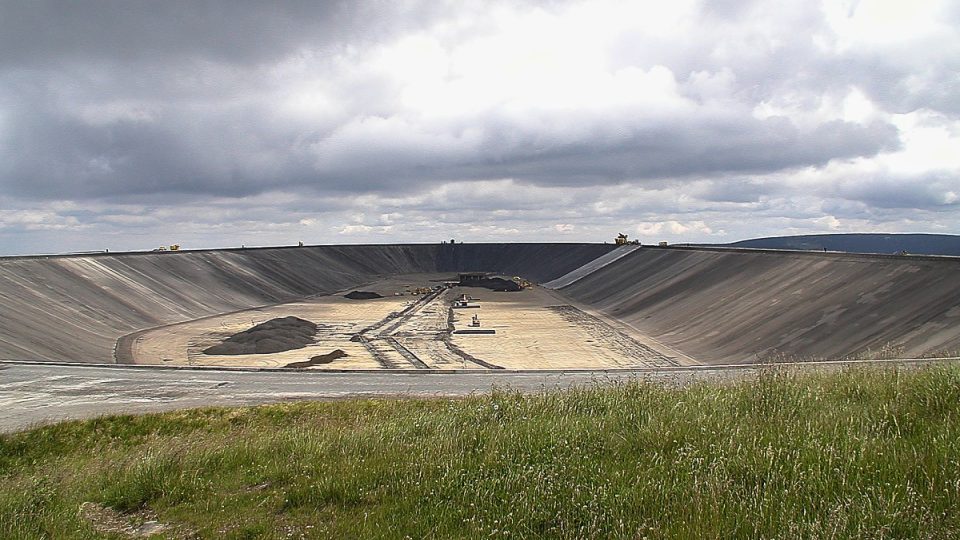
{"x":591,"y":267}
{"x":735,"y":305}
{"x":536,"y":262}
{"x":74,"y":308}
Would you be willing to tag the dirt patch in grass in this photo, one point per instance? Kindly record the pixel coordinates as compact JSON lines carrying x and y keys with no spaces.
{"x":273,"y":336}
{"x":106,"y":520}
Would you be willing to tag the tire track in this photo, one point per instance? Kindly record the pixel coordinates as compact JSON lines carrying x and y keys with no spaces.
{"x":614,"y":338}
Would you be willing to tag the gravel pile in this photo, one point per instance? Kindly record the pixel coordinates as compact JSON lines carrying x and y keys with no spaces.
{"x":273,"y":336}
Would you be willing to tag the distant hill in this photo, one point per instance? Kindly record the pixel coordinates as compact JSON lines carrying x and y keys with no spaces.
{"x":917,"y":244}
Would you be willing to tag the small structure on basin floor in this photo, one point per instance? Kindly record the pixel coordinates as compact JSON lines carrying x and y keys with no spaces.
{"x":471,"y":278}
{"x":475,"y":328}
{"x":465,"y":302}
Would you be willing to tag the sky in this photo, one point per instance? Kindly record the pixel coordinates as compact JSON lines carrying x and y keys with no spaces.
{"x":126,"y":125}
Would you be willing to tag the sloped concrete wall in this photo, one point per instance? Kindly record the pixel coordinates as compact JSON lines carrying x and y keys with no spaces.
{"x":737,"y":305}
{"x":73,"y":308}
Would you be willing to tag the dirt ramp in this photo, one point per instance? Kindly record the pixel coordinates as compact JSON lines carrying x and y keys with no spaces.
{"x":736,"y":306}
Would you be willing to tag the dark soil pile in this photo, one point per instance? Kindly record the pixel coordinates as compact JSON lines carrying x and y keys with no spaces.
{"x":317,"y":360}
{"x":493,"y":283}
{"x":362,"y":295}
{"x":273,"y":336}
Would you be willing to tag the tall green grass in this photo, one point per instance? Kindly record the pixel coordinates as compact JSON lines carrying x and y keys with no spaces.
{"x":863,"y":453}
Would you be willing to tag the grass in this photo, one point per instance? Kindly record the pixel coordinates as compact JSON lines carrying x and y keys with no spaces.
{"x":863,"y":453}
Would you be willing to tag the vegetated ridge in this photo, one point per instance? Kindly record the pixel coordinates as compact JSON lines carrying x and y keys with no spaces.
{"x":918,"y":244}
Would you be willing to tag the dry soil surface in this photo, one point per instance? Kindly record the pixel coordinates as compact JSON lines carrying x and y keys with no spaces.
{"x":535,"y":329}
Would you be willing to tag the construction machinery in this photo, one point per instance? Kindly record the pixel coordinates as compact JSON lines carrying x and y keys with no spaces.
{"x":622,"y":240}
{"x":523,"y":283}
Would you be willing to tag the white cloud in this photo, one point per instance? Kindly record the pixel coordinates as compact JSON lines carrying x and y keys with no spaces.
{"x":689,"y":120}
{"x":882,"y":23}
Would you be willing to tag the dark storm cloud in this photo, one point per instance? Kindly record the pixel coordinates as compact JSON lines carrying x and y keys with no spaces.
{"x":931,"y":191}
{"x":234,"y":31}
{"x":697,"y":149}
{"x":58,"y":155}
{"x":150,"y":99}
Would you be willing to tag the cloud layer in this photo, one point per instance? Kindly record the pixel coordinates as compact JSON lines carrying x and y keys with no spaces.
{"x":123,"y":124}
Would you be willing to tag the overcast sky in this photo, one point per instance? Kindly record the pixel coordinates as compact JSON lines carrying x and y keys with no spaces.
{"x":126,"y":125}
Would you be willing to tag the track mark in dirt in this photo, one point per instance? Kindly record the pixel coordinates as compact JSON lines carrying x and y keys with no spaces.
{"x":613,"y":338}
{"x":376,"y":335}
{"x":448,"y":341}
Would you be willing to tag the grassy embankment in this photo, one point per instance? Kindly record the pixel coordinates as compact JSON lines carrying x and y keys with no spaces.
{"x":857,"y":454}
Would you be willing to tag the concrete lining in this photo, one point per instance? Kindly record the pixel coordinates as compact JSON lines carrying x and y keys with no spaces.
{"x":718,"y":305}
{"x":75,"y":307}
{"x":570,"y":277}
{"x":724,"y":305}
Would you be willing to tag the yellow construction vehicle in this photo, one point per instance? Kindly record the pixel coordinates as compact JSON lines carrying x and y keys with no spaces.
{"x":175,"y":247}
{"x":523,"y":283}
{"x":621,"y":239}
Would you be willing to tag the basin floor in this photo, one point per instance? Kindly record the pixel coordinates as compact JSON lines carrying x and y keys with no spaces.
{"x":536,"y":328}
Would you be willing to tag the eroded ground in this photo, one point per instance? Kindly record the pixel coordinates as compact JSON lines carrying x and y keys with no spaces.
{"x":535,"y":329}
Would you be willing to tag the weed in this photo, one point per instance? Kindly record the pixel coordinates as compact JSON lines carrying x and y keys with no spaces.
{"x":852,"y":453}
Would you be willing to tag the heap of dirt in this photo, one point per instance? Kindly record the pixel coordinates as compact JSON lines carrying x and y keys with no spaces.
{"x":273,"y":336}
{"x":362,"y":295}
{"x":493,"y":283}
{"x":318,"y":360}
